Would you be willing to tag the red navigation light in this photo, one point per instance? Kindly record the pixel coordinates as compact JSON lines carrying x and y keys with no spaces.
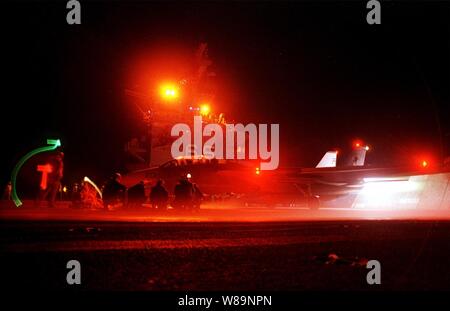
{"x":357,"y":143}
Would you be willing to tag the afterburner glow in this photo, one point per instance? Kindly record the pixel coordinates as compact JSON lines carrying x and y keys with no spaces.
{"x":390,"y":193}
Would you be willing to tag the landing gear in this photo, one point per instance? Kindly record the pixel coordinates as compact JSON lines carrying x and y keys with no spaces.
{"x":312,"y":200}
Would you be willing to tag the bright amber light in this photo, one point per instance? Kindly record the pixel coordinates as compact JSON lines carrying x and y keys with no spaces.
{"x":169,"y":92}
{"x":424,"y":163}
{"x":204,"y":109}
{"x":258,"y":171}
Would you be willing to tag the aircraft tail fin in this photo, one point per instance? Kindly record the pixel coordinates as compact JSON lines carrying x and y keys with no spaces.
{"x":328,"y":160}
{"x":357,"y":157}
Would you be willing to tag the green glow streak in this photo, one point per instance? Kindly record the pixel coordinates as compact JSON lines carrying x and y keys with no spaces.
{"x":54,"y":143}
{"x":86,"y":179}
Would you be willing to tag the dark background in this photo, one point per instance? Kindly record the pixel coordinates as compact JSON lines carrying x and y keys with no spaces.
{"x":317,"y":68}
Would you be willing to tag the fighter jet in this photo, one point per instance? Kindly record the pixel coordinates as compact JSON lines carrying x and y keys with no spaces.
{"x":243,"y":181}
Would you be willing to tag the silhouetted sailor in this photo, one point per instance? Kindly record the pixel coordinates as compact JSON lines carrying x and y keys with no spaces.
{"x":136,"y":194}
{"x":113,"y":191}
{"x":53,"y":179}
{"x":159,"y":196}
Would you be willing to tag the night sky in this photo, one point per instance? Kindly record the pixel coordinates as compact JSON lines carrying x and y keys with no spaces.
{"x":317,"y":68}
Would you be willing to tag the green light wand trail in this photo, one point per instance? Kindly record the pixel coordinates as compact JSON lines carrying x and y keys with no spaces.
{"x":54,"y":143}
